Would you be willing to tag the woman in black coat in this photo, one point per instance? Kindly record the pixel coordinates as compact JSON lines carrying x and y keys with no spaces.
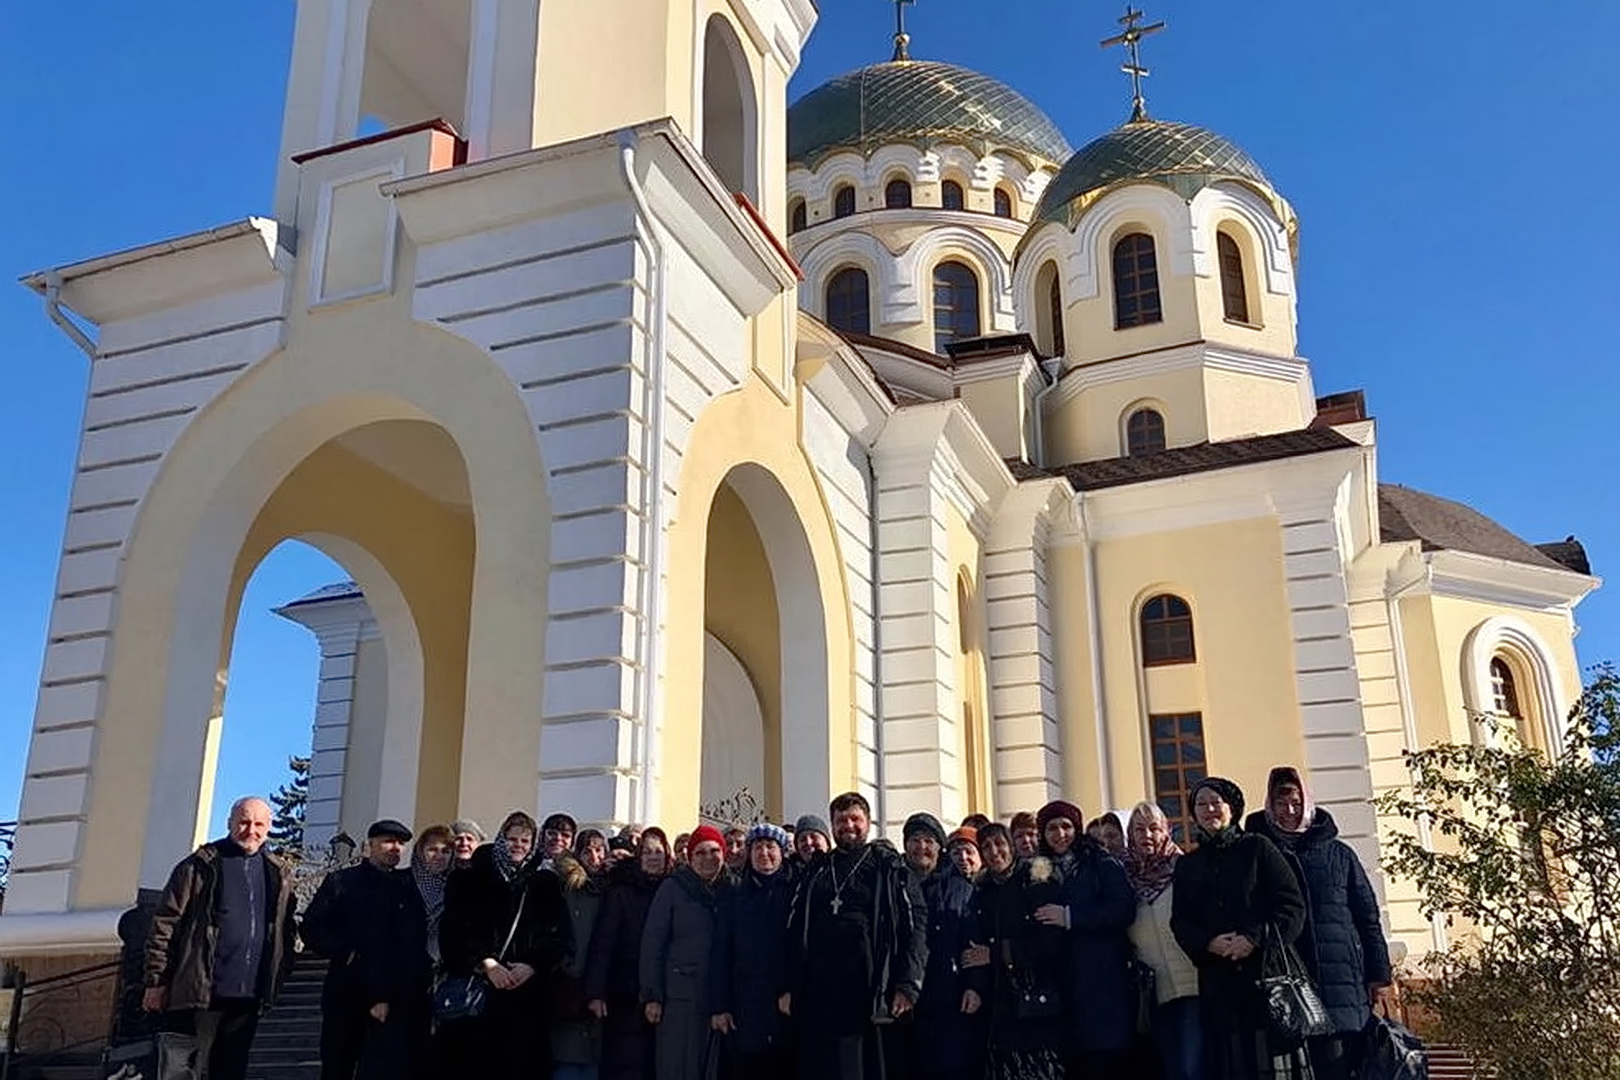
{"x":749,"y":969}
{"x":1099,"y":908}
{"x":504,"y":919}
{"x":613,"y":961}
{"x":1343,"y":942}
{"x":1233,"y":895}
{"x":1021,"y":982}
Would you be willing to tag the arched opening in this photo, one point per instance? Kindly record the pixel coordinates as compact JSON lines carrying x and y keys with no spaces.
{"x":849,"y":301}
{"x":1003,"y":203}
{"x":1509,"y":683}
{"x":765,"y":657}
{"x":956,"y":304}
{"x":1048,"y":309}
{"x":730,"y":121}
{"x":1234,"y":287}
{"x":976,"y":746}
{"x":951,"y":197}
{"x":1144,"y":432}
{"x":798,"y":217}
{"x":416,"y":65}
{"x":1167,"y":632}
{"x":843,"y":201}
{"x":897,"y":194}
{"x":1136,"y":282}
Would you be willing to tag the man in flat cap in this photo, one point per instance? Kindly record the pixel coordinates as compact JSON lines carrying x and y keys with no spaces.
{"x":369,"y":922}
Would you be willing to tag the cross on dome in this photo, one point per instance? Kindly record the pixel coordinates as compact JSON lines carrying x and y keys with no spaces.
{"x":1132,"y":40}
{"x":902,"y":40}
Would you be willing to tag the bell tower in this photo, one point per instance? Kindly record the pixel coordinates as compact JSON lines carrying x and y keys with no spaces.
{"x":511,"y":75}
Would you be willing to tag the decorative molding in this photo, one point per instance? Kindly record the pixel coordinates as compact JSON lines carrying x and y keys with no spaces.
{"x":1225,"y":200}
{"x":1511,"y":634}
{"x":1467,"y":576}
{"x":1196,"y":354}
{"x":318,"y":296}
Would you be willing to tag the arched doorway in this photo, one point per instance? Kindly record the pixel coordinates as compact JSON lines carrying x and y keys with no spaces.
{"x":763,"y":614}
{"x":730,"y":113}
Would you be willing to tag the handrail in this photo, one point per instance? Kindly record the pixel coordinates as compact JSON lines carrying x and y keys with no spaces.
{"x":24,"y":989}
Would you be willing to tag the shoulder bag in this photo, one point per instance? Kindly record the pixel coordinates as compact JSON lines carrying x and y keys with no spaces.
{"x":464,"y":997}
{"x":1294,"y":1010}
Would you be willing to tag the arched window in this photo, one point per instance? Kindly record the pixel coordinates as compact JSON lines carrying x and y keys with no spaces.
{"x":1167,"y":632}
{"x":849,"y":301}
{"x":1234,"y":290}
{"x":1504,"y":691}
{"x":897,"y":194}
{"x":797,"y":217}
{"x":843,"y":201}
{"x":1054,"y":300}
{"x":729,"y":136}
{"x":956,"y":304}
{"x":1136,"y":282}
{"x":1003,"y":203}
{"x":950,"y":196}
{"x":1144,"y":433}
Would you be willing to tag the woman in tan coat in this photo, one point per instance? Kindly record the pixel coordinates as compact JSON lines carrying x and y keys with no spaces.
{"x":1150,"y":863}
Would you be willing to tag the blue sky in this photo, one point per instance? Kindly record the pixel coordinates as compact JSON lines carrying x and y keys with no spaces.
{"x":1452,"y":174}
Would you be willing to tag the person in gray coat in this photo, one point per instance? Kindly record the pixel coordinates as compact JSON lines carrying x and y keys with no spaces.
{"x":675,"y":951}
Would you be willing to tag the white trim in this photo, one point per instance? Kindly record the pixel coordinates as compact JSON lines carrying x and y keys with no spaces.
{"x":1512,"y":635}
{"x":478,"y":104}
{"x":59,"y":933}
{"x":1228,"y":201}
{"x":1287,"y":369}
{"x":1467,"y":576}
{"x":318,"y":297}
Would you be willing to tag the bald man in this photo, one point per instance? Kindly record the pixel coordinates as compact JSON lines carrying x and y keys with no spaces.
{"x":221,"y":939}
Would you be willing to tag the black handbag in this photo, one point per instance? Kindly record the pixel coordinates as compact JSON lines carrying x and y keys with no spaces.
{"x":1393,"y":1052}
{"x":1294,"y":1010}
{"x":166,"y":1056}
{"x":1146,"y":982}
{"x":465,"y":997}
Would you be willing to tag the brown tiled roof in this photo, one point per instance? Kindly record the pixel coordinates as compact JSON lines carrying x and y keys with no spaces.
{"x":899,"y":348}
{"x":1205,"y":457}
{"x":1445,"y":525}
{"x":1568,"y":551}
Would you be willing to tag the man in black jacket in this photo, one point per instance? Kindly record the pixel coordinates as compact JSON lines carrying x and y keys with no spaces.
{"x":369,"y":922}
{"x":221,"y":940}
{"x":857,"y":946}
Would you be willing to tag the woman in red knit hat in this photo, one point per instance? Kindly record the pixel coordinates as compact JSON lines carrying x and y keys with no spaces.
{"x":675,"y":953}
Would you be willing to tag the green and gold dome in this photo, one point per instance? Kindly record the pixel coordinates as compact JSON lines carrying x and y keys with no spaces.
{"x":922,"y":103}
{"x":1182,"y":157}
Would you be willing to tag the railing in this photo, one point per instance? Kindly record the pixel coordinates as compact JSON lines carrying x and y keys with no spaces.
{"x":41,"y":1022}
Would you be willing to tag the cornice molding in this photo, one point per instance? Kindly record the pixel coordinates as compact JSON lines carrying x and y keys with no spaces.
{"x":1465,"y":576}
{"x":1076,"y":380}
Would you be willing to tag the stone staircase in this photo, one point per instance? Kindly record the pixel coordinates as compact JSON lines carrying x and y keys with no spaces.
{"x":287,"y":1046}
{"x":1449,"y":1063}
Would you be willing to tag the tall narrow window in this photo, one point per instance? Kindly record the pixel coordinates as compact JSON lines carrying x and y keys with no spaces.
{"x":1234,"y":290}
{"x":730,"y":127}
{"x":1136,"y":282}
{"x":797,"y":217}
{"x":1054,"y":299}
{"x":956,"y":304}
{"x":1178,"y":766}
{"x":849,"y":301}
{"x":1144,"y":433}
{"x":1167,"y":632}
{"x":950,"y":196}
{"x":1003,"y":203}
{"x":1504,"y":690}
{"x":843,"y":201}
{"x":897,"y":194}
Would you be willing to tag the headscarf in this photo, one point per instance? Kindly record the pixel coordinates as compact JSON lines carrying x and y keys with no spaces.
{"x":1150,"y":872}
{"x":1232,"y":795}
{"x":1288,"y":776}
{"x":582,"y":840}
{"x":508,"y":867}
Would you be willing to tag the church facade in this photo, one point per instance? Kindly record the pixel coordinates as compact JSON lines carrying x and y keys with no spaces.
{"x":679,"y":442}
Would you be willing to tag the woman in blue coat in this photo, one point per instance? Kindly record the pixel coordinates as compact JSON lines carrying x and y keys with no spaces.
{"x":749,"y":969}
{"x":1097,"y":908}
{"x":1343,"y":942}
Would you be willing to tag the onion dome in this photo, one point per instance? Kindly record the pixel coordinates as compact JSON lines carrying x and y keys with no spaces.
{"x":1182,"y":157}
{"x":922,"y":103}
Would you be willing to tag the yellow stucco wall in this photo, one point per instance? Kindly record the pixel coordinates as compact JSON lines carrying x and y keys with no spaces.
{"x":1001,"y":410}
{"x":1090,"y":425}
{"x":739,"y":608}
{"x":1231,"y":575}
{"x":973,"y":753}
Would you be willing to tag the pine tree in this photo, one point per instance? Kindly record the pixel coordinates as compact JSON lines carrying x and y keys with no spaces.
{"x":290,"y":801}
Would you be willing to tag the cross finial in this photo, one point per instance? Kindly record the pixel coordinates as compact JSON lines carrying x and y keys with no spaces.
{"x":1132,"y":40}
{"x":902,"y":40}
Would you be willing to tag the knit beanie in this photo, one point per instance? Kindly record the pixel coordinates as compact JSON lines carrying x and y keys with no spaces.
{"x":469,"y":826}
{"x":764,"y":830}
{"x":1057,"y":808}
{"x":967,"y":834}
{"x":924,"y":822}
{"x":705,"y":834}
{"x":812,"y":823}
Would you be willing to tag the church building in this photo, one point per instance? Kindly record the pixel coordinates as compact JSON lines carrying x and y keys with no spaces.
{"x":679,"y":441}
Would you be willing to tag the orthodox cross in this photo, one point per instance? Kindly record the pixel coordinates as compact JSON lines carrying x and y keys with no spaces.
{"x":902,"y":40}
{"x":1132,"y":40}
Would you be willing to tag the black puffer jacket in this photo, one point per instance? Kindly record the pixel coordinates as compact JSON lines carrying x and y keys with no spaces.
{"x":1343,"y":942}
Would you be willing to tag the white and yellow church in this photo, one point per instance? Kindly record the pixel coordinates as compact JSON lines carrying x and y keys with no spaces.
{"x":678,"y":441}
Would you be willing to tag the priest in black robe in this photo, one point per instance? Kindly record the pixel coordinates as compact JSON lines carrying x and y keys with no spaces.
{"x":857,"y":947}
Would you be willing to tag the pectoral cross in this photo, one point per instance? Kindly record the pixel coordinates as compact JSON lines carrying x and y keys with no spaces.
{"x":837,"y":902}
{"x":902,"y":40}
{"x":1132,"y":39}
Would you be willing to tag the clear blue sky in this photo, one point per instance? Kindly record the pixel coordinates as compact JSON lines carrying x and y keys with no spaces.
{"x":1452,"y":170}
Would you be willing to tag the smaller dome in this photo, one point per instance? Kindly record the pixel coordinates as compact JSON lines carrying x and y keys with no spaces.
{"x":1183,"y":157}
{"x":923,"y":103}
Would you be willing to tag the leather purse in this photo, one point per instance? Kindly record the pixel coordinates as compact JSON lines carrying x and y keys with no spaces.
{"x":465,"y":997}
{"x":1294,"y":1010}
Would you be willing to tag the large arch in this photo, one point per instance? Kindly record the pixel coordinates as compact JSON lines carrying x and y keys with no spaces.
{"x":194,"y":525}
{"x":745,"y":442}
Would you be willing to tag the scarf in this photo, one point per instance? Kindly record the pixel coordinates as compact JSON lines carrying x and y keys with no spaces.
{"x":1232,"y":795}
{"x":505,"y":865}
{"x":1150,"y":872}
{"x":1288,"y":776}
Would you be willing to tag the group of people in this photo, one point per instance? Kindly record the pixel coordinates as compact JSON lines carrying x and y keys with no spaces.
{"x":1044,"y":948}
